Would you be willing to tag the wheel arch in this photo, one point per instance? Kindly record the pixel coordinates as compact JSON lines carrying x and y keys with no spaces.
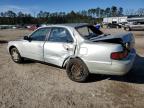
{"x":69,"y":58}
{"x":19,"y":58}
{"x":11,"y":48}
{"x":14,"y":46}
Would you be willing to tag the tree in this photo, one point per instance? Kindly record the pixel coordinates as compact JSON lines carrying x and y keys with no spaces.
{"x":102,"y":11}
{"x":108,"y":12}
{"x":140,"y":12}
{"x":93,"y":12}
{"x":114,"y":11}
{"x":89,"y":12}
{"x":84,"y":12}
{"x":40,"y":14}
{"x":89,"y":16}
{"x":46,"y":14}
{"x":10,"y":14}
{"x":20,"y":14}
{"x":120,"y":11}
{"x":2,"y":14}
{"x":98,"y":12}
{"x":130,"y":12}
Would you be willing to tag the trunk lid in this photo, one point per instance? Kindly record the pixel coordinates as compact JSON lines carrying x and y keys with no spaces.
{"x":125,"y":39}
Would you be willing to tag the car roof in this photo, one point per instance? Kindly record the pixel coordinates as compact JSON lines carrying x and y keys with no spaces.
{"x":73,"y":25}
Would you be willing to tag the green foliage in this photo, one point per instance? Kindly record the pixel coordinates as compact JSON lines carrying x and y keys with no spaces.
{"x":93,"y":15}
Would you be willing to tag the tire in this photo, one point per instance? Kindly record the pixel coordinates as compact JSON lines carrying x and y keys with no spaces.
{"x":128,"y":29}
{"x":77,"y":70}
{"x":15,"y":55}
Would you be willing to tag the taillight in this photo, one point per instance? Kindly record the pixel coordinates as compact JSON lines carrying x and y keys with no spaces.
{"x":119,"y":55}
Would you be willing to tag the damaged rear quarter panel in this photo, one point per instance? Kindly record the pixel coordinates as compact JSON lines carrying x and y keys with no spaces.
{"x":98,"y":53}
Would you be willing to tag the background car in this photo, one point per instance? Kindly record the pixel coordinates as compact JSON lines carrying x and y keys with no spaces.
{"x":134,"y":26}
{"x":113,"y":25}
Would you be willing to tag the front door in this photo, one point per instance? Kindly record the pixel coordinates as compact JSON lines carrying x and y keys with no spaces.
{"x":33,"y":48}
{"x":59,"y":46}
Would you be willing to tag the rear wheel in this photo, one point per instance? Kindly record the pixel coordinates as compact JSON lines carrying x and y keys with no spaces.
{"x":77,"y":70}
{"x":15,"y":55}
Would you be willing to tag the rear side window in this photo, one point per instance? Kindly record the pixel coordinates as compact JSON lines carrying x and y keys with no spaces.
{"x":84,"y":31}
{"x":88,"y":31}
{"x":40,"y":34}
{"x":60,"y":35}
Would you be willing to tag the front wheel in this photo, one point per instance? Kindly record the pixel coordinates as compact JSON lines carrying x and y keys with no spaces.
{"x":15,"y":55}
{"x":77,"y":70}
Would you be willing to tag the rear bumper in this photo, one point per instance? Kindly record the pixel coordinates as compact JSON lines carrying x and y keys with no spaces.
{"x":117,"y":67}
{"x":124,"y":66}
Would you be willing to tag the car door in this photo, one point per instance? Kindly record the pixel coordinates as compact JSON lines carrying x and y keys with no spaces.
{"x":33,"y":48}
{"x":59,"y":46}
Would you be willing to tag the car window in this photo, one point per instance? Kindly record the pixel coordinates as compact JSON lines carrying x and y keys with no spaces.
{"x":88,"y":32}
{"x":60,"y":35}
{"x":84,"y":31}
{"x":40,"y":34}
{"x":141,"y":22}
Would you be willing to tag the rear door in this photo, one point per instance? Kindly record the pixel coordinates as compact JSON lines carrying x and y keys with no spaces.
{"x":59,"y":46}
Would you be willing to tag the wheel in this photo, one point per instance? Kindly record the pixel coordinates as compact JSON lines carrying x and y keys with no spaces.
{"x":128,"y":29}
{"x":15,"y":55}
{"x":77,"y":70}
{"x":123,"y":28}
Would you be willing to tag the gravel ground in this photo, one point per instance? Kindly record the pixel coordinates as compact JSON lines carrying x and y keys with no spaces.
{"x":39,"y":85}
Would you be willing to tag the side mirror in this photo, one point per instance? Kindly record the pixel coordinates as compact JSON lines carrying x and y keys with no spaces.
{"x":26,"y":38}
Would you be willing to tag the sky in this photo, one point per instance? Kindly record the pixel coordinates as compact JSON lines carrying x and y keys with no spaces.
{"x":34,"y":6}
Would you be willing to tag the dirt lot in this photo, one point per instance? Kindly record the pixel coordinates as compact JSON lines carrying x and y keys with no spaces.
{"x":37,"y":85}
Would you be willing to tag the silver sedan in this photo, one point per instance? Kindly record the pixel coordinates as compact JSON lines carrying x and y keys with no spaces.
{"x":81,"y":48}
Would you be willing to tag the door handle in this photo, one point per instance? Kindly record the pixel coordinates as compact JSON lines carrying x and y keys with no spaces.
{"x":67,"y":47}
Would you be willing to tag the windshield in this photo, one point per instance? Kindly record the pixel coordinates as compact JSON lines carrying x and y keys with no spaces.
{"x":88,"y":31}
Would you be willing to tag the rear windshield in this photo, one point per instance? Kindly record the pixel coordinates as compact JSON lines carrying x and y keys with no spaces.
{"x":88,"y":31}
